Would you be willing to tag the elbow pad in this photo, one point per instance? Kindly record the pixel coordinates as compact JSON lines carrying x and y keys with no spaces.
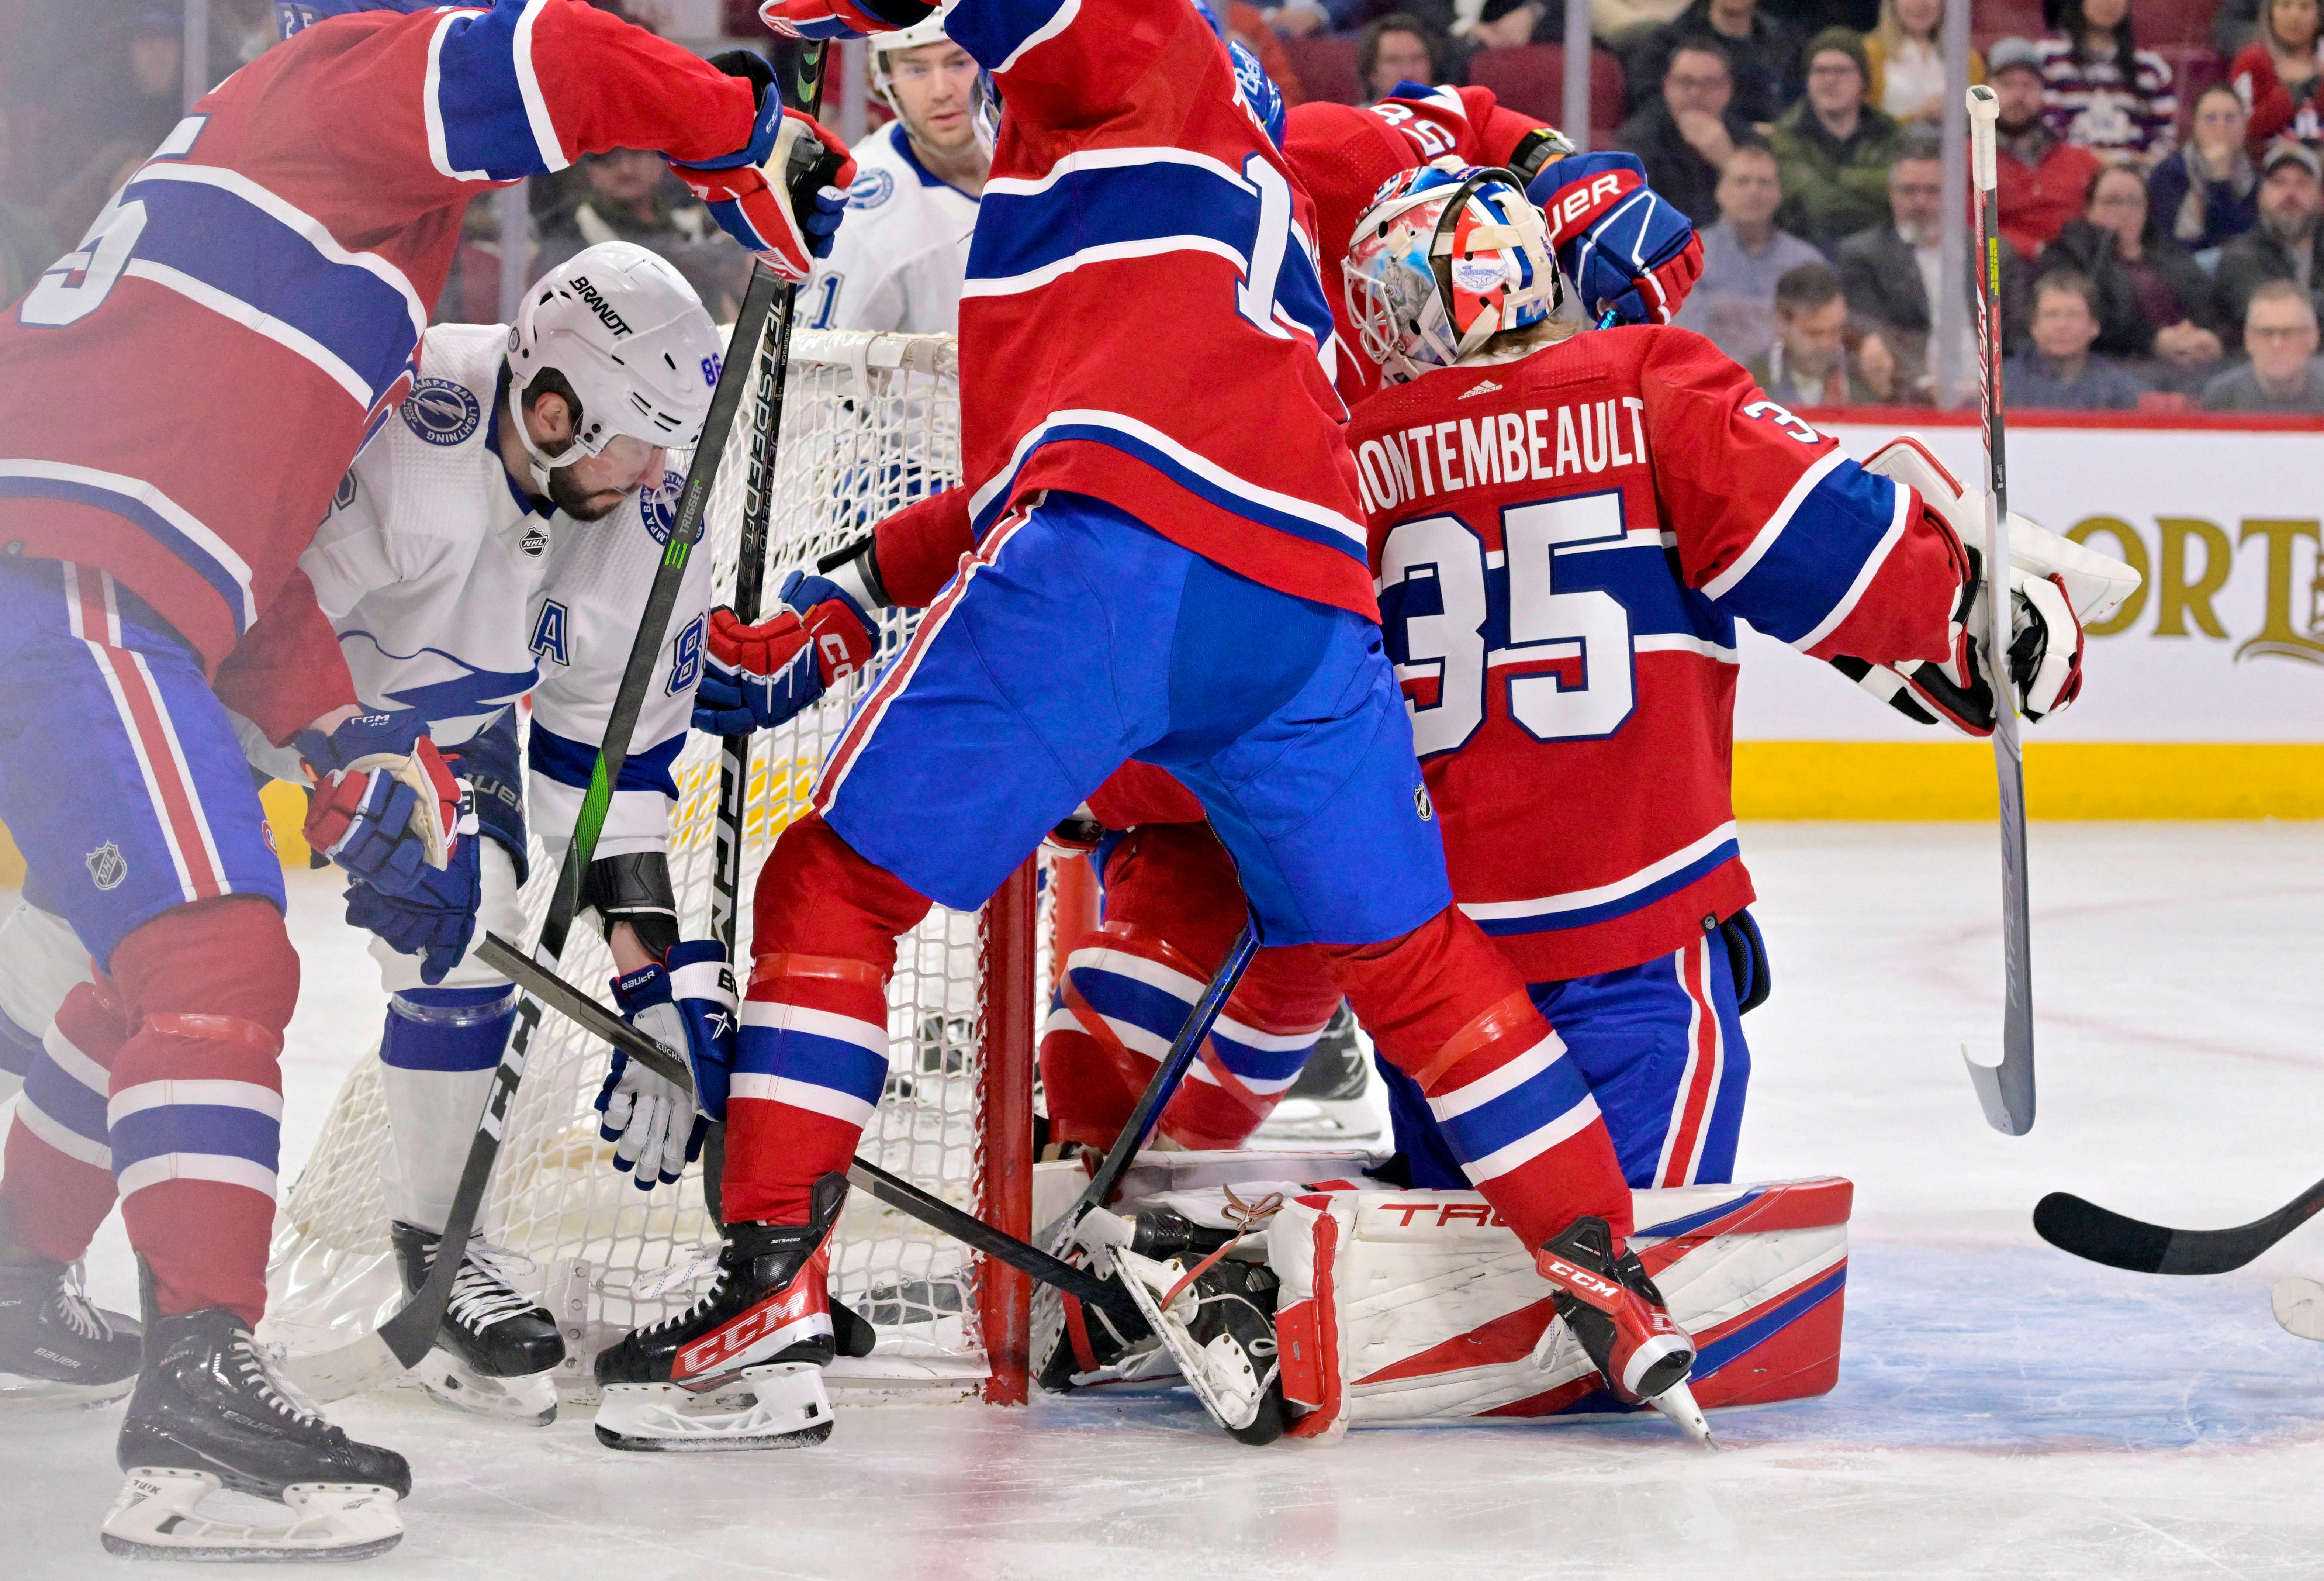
{"x":634,"y":888}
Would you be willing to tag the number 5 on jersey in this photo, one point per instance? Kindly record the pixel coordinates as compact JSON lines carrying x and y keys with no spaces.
{"x":1455,"y":612}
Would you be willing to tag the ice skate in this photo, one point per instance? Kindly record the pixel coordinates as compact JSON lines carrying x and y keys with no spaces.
{"x":498,"y":1349}
{"x":56,"y":1345}
{"x":1076,"y":1345}
{"x":210,"y":1412}
{"x":1622,"y":1321}
{"x":1219,"y":1326}
{"x":742,"y":1367}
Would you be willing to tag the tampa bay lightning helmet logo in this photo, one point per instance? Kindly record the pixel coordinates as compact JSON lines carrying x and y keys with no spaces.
{"x":659,"y":505}
{"x":442,"y":413}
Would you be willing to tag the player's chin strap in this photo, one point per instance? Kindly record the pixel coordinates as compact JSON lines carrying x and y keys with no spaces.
{"x":542,"y":462}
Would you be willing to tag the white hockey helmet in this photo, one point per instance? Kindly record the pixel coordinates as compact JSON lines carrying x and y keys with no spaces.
{"x":1445,"y":257}
{"x":626,"y":331}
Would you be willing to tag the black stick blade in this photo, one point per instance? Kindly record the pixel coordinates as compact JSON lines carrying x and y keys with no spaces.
{"x":2102,"y":1235}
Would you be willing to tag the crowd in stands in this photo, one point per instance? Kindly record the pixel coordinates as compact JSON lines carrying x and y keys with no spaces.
{"x":2161,"y":195}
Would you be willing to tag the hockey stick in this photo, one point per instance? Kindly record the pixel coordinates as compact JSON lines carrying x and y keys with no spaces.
{"x":806,"y":93}
{"x":404,"y":1339}
{"x":2006,"y":1090}
{"x":1166,"y":1076}
{"x":598,"y":1021}
{"x":2100,"y":1235}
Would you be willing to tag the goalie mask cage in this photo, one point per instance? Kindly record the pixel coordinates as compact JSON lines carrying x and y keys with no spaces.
{"x":870,"y":421}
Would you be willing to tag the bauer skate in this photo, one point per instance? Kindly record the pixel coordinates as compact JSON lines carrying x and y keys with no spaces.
{"x":742,"y":1367}
{"x":497,"y":1350}
{"x":56,"y":1345}
{"x":1624,"y":1326}
{"x":210,"y":1412}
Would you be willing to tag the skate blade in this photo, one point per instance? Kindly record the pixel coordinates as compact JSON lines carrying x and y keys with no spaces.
{"x":1677,"y":1402}
{"x":788,"y":1410}
{"x":18,"y":1390}
{"x":529,"y":1399}
{"x":155,"y":1518}
{"x":2298,"y":1305}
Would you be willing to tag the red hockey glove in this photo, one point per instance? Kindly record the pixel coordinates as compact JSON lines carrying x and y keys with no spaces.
{"x":818,"y":20}
{"x":783,"y":194}
{"x":756,"y":677}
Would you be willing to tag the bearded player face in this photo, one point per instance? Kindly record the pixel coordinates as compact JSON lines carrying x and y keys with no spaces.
{"x":593,"y":488}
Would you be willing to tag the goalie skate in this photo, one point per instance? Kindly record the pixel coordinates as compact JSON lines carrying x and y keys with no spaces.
{"x":1219,"y":1326}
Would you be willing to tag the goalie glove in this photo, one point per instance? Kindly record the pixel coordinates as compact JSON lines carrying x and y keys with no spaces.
{"x":383,"y":804}
{"x":756,"y":677}
{"x":782,"y":195}
{"x":687,"y":1006}
{"x":2054,"y":584}
{"x":1626,"y":249}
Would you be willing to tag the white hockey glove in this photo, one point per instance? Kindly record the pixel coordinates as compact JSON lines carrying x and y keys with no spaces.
{"x":2055,"y":584}
{"x":687,"y":1007}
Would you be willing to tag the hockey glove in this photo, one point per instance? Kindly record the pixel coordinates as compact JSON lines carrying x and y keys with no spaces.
{"x":816,"y":19}
{"x":687,"y":1006}
{"x":1624,"y":247}
{"x":434,"y":917}
{"x":756,"y":677}
{"x":384,"y":804}
{"x":782,"y":195}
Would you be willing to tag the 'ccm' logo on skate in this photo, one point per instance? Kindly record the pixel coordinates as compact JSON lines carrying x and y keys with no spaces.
{"x":766,"y":1320}
{"x":1584,"y":1282}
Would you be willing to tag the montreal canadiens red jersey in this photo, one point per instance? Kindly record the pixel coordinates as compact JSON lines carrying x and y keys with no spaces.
{"x":1564,"y":544}
{"x":1342,"y":153}
{"x":179,"y":396}
{"x":1142,"y":320}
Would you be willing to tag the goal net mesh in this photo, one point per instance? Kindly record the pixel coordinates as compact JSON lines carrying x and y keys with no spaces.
{"x":869,"y":422}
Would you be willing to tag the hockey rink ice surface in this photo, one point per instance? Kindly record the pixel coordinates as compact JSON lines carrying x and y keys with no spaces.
{"x":2003,"y":1409}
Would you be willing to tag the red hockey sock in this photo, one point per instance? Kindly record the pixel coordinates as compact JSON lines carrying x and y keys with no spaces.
{"x":1448,"y":1009}
{"x":812,"y":1054}
{"x":58,"y":1184}
{"x":197,"y":1106}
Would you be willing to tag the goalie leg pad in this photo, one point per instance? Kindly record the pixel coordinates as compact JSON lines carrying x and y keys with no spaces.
{"x":196,"y":1112}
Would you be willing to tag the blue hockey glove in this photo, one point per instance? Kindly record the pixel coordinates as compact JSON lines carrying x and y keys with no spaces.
{"x":433,"y":917}
{"x":687,"y":1006}
{"x":384,"y":805}
{"x":1624,"y":248}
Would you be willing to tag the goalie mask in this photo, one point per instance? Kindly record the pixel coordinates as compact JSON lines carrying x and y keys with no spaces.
{"x":1446,"y":258}
{"x":629,"y":335}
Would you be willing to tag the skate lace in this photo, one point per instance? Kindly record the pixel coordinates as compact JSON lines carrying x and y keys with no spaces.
{"x":80,"y":1314}
{"x":482,"y":1292}
{"x":701,"y":1302}
{"x":259,"y":1368}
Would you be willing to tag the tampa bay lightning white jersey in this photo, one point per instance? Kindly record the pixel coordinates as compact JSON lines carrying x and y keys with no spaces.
{"x":898,"y":260}
{"x":454,"y":595}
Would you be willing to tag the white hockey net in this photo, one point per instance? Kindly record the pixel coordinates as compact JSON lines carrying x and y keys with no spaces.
{"x":869,"y":422}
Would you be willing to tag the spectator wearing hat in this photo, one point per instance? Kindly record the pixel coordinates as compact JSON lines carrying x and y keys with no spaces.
{"x":1762,"y":52}
{"x":1808,"y":364}
{"x":1684,"y":136}
{"x":2059,"y":371}
{"x":1743,"y":254}
{"x":2283,"y":245}
{"x":1833,"y":148}
{"x":2042,"y":177}
{"x":2103,"y":91}
{"x":2280,"y":74}
{"x":2151,"y":298}
{"x":2284,"y":373}
{"x":2207,"y":192}
{"x":1906,"y":53}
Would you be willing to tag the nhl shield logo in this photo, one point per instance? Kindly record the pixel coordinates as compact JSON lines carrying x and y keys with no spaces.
{"x":1422,"y":805}
{"x":108,"y":866}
